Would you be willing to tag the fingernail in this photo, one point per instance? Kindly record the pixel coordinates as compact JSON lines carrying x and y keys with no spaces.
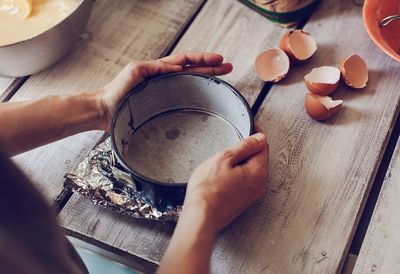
{"x":260,"y":137}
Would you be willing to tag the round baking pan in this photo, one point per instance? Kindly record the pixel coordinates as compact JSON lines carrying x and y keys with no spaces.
{"x":168,"y":125}
{"x":37,"y":53}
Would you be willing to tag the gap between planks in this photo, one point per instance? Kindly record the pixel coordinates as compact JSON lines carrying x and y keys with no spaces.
{"x":182,"y":32}
{"x":62,"y":199}
{"x":373,"y":195}
{"x":378,"y":155}
{"x":260,"y":99}
{"x":367,"y":209}
{"x":268,"y":85}
{"x":12,"y":88}
{"x":156,"y":24}
{"x":241,"y":79}
{"x":98,"y":226}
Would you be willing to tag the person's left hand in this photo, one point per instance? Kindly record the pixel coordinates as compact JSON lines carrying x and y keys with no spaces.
{"x":136,"y":72}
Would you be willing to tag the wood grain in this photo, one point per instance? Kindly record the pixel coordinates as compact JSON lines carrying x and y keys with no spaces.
{"x":321,"y":173}
{"x":118,"y":32}
{"x":380,"y":250}
{"x":239,"y":34}
{"x":141,"y":241}
{"x":226,"y":27}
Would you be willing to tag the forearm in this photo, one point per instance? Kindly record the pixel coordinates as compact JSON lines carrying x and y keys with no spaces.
{"x":30,"y":124}
{"x":191,"y":246}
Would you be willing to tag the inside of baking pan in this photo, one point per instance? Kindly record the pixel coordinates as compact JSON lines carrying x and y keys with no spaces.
{"x":170,"y":125}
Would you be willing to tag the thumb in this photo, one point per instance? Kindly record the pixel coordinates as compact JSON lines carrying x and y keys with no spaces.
{"x":247,"y":148}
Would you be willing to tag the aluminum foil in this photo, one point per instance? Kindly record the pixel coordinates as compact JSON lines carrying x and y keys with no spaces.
{"x":104,"y":183}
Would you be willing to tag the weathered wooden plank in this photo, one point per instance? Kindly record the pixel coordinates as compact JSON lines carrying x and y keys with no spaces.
{"x":321,"y":173}
{"x":118,"y":32}
{"x":144,"y":242}
{"x":227,"y":27}
{"x":380,"y":250}
{"x":237,"y":33}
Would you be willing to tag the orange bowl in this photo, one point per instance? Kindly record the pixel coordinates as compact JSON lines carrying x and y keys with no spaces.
{"x":386,"y":38}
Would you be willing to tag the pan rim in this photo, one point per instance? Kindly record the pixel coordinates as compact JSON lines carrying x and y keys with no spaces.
{"x":142,"y":86}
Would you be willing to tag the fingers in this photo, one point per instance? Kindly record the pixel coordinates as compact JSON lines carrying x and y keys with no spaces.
{"x":247,"y":148}
{"x":217,"y":70}
{"x":194,"y":59}
{"x":148,"y":69}
{"x":200,"y":62}
{"x":258,"y":164}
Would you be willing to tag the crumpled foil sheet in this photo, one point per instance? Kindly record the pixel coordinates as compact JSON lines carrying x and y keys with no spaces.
{"x":98,"y":178}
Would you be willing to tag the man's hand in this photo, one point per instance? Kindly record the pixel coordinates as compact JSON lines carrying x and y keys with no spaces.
{"x":135,"y":73}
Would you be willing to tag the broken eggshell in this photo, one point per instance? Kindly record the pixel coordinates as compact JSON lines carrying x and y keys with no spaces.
{"x":354,"y":71}
{"x":298,"y":45}
{"x":321,"y":107}
{"x":272,"y":65}
{"x":323,"y":80}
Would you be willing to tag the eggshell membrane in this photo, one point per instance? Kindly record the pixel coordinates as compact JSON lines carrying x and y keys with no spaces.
{"x":354,"y":71}
{"x":298,"y":44}
{"x":323,"y":80}
{"x":321,"y":107}
{"x":272,"y":65}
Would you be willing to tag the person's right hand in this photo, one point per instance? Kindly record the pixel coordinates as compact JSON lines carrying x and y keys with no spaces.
{"x":225,"y":185}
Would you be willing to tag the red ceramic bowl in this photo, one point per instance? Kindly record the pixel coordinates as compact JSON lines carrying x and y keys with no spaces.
{"x":386,"y":38}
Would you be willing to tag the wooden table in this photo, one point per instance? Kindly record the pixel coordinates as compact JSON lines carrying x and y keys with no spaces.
{"x":320,"y":173}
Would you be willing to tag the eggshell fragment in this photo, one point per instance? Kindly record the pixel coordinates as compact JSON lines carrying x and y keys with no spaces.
{"x":272,"y":65}
{"x":323,"y":80}
{"x":298,"y":45}
{"x":354,"y":71}
{"x":321,"y":107}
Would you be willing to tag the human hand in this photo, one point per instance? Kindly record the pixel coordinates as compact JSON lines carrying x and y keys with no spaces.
{"x":219,"y":190}
{"x":222,"y":187}
{"x":135,"y":73}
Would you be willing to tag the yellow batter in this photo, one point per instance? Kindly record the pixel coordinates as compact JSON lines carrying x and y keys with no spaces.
{"x":24,"y":19}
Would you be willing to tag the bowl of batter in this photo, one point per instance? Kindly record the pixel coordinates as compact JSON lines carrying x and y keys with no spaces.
{"x":37,"y":33}
{"x":169,"y":124}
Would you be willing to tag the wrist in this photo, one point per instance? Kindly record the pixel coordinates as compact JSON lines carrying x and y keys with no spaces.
{"x":99,"y":119}
{"x":201,"y":202}
{"x":89,"y":111}
{"x":199,"y":215}
{"x":193,"y":232}
{"x":191,"y":246}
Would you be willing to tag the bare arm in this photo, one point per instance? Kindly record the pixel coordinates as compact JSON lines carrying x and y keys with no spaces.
{"x":235,"y":178}
{"x":191,"y":246}
{"x":219,"y":190}
{"x":30,"y":124}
